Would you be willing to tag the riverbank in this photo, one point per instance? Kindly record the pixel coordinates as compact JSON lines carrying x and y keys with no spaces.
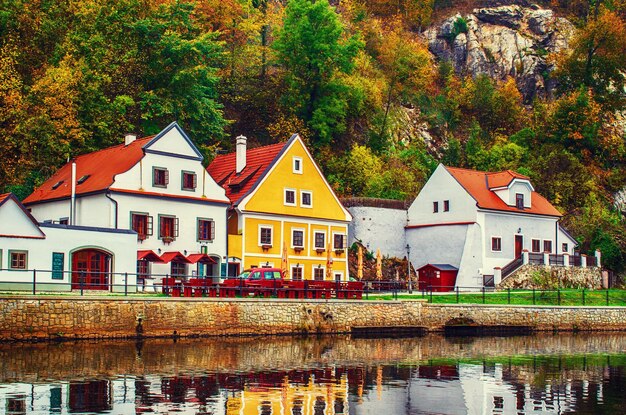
{"x":64,"y":317}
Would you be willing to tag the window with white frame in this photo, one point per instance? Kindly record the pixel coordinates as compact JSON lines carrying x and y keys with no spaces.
{"x":339,"y":241}
{"x":296,"y":273}
{"x":319,"y":273}
{"x":306,"y":198}
{"x":338,"y":276}
{"x":564,"y":247}
{"x":319,"y":240}
{"x":265,"y":235}
{"x":496,"y":244}
{"x":536,"y":245}
{"x":547,"y":246}
{"x":290,"y":197}
{"x":297,"y":238}
{"x":297,"y":165}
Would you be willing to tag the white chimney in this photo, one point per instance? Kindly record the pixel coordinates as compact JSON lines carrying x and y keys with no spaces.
{"x":241,"y":153}
{"x":129,"y":138}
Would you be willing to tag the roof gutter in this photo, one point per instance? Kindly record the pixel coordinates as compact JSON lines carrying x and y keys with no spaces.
{"x":108,"y":196}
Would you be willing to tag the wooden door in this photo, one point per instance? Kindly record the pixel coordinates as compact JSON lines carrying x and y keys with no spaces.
{"x":90,"y":269}
{"x":519,"y":244}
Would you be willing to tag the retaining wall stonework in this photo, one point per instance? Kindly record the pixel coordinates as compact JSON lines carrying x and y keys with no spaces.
{"x":542,"y":277}
{"x":24,"y":318}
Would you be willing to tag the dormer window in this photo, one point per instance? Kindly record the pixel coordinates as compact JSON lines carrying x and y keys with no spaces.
{"x":82,"y":179}
{"x":519,"y":200}
{"x":57,"y":184}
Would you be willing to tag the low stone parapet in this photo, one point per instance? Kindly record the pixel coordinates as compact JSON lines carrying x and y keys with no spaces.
{"x":548,"y":277}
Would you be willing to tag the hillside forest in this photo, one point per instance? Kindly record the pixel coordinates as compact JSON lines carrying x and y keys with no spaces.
{"x":355,"y":78}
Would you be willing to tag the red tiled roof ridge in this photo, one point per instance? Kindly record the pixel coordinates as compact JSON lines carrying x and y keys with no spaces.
{"x":258,"y":161}
{"x":113,"y":147}
{"x":476,"y":184}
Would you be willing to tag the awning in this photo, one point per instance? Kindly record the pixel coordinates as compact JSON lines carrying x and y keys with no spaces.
{"x":148,"y":255}
{"x":174,"y":256}
{"x":201,"y":258}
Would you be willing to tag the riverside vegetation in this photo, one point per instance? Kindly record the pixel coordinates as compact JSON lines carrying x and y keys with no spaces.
{"x":381,"y":90}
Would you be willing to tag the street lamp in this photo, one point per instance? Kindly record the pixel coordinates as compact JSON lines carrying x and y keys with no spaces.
{"x":408,"y":261}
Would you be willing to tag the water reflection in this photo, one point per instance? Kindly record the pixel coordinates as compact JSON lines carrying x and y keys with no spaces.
{"x":330,"y":375}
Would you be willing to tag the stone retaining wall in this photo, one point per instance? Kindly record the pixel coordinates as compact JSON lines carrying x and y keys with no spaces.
{"x":82,"y":317}
{"x":547,"y":277}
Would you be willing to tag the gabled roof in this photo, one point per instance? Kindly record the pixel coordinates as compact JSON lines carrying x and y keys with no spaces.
{"x":478,"y":185}
{"x":101,"y":166}
{"x":440,"y":267}
{"x":258,"y":162}
{"x":95,"y":172}
{"x":5,"y":197}
{"x":503,"y":178}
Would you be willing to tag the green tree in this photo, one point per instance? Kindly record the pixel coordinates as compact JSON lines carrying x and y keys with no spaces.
{"x":314,"y":50}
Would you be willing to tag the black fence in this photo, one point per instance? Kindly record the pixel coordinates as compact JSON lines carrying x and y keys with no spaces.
{"x":558,"y":297}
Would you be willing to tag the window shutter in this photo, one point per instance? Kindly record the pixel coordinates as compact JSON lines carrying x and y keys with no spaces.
{"x":149,"y":225}
{"x":200,"y":230}
{"x":167,"y":176}
{"x":212,"y":230}
{"x":195,"y":181}
{"x":154,"y":177}
{"x":175,"y":227}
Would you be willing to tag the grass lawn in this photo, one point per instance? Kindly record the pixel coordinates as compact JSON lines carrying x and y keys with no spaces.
{"x":560,"y":297}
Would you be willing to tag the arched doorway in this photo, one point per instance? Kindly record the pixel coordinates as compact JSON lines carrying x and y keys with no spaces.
{"x":91,"y":269}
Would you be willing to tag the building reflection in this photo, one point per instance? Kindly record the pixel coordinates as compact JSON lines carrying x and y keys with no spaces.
{"x":326,"y":376}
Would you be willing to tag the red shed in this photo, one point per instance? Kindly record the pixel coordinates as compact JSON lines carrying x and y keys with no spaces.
{"x":441,"y":277}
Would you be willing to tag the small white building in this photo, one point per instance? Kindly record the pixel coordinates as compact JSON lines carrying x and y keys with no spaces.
{"x":56,"y":257}
{"x":155,"y":186}
{"x":477,"y":221}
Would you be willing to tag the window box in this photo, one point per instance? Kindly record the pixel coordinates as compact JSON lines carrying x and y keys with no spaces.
{"x":265,"y":247}
{"x":167,"y":239}
{"x":338,"y":251}
{"x":298,"y":248}
{"x":320,"y":250}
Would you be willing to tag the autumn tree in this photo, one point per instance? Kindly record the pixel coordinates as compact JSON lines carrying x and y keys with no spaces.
{"x":315,"y":51}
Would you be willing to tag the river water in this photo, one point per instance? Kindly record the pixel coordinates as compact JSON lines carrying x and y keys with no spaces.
{"x":538,"y":374}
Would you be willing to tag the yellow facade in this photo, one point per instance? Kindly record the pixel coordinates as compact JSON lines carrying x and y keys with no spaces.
{"x":266,"y":207}
{"x":291,"y":398}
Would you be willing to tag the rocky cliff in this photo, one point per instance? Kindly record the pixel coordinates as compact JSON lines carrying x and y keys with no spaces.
{"x":511,"y":40}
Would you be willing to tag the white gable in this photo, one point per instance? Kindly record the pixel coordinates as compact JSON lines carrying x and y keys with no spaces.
{"x":442,"y":187}
{"x":15,"y":222}
{"x":173,"y":141}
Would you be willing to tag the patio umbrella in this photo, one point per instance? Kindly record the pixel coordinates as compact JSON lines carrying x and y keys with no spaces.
{"x":329,"y":263}
{"x":359,"y":271}
{"x":379,"y":265}
{"x":283,"y":261}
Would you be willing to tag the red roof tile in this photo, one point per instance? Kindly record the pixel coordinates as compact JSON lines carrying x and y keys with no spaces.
{"x":479,"y":183}
{"x":4,"y":197}
{"x":148,"y":255}
{"x":258,"y":161}
{"x":101,"y":166}
{"x":201,"y":258}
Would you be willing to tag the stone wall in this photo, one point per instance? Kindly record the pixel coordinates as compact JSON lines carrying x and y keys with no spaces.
{"x":547,"y":277}
{"x":82,"y":317}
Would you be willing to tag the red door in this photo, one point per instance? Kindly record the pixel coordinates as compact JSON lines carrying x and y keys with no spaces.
{"x":91,"y":269}
{"x":519,"y":243}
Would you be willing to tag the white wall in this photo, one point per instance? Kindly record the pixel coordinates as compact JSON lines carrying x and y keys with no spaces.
{"x":437,"y":244}
{"x":60,"y":238}
{"x":442,"y":186}
{"x":13,"y":221}
{"x":506,"y":225}
{"x":94,"y":210}
{"x":379,"y":228}
{"x":187,"y":213}
{"x":518,"y":186}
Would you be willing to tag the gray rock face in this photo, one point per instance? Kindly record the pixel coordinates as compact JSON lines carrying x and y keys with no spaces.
{"x":509,"y":40}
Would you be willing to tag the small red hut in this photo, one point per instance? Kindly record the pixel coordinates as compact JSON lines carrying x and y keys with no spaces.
{"x":438,"y":277}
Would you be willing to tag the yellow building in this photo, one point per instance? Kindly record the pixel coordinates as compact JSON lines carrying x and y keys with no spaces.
{"x":281,"y":202}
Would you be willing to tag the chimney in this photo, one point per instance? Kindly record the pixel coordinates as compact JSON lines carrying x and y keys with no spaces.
{"x":241,"y":153}
{"x":129,"y":138}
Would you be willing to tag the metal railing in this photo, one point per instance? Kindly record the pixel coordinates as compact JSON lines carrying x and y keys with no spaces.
{"x":82,"y":282}
{"x":559,"y":297}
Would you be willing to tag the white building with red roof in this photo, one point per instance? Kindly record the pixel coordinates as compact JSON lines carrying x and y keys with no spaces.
{"x":478,"y":221}
{"x":156,"y":186}
{"x":38,"y":256}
